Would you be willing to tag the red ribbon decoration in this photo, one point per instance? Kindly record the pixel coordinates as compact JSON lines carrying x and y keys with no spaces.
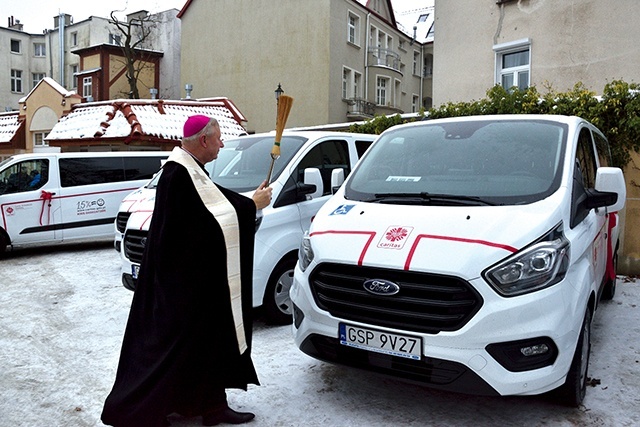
{"x":610,"y":271}
{"x":46,"y":199}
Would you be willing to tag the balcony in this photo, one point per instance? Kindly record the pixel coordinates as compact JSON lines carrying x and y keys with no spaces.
{"x":385,"y":58}
{"x":360,"y":109}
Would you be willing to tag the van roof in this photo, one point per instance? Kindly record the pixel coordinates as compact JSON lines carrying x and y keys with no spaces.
{"x":92,"y":154}
{"x":314,"y":134}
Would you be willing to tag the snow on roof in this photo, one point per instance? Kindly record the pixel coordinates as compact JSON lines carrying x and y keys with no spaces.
{"x":155,"y":119}
{"x":420,"y":17}
{"x":9,"y":125}
{"x":54,"y":84}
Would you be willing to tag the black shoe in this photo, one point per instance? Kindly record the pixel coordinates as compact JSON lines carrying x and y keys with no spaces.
{"x":227,"y":416}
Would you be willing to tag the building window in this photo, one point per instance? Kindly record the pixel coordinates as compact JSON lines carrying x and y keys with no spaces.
{"x":73,"y":78}
{"x":114,"y":39}
{"x":381,"y":46}
{"x":382,"y":83}
{"x":353,"y":28}
{"x":16,"y":81}
{"x":74,"y":38}
{"x":39,"y":49}
{"x":416,"y":63}
{"x":350,"y":83}
{"x":428,"y":66}
{"x":38,"y":139}
{"x":415,"y":102}
{"x":356,"y":84}
{"x":87,"y":87}
{"x":345,"y":82}
{"x":16,"y":46}
{"x":36,"y":77}
{"x":513,"y":64}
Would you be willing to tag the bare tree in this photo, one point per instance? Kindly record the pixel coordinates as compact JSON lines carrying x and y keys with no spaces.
{"x":136,"y":34}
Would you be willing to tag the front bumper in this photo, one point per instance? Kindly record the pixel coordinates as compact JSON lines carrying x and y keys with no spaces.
{"x":458,"y":360}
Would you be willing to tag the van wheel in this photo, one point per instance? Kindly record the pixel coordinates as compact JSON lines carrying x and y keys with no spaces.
{"x":572,"y":392}
{"x":277,"y":302}
{"x":4,"y":242}
{"x":610,"y":287}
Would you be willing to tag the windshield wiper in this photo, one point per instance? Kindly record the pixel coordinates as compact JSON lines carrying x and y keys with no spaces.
{"x":430,"y":198}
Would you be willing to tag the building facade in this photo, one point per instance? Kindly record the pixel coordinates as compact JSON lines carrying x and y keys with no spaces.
{"x":340,"y":60}
{"x":533,"y":43}
{"x":546,"y":44}
{"x":27,"y":58}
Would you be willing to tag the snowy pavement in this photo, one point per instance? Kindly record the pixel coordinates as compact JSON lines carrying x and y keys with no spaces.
{"x":62,"y":314}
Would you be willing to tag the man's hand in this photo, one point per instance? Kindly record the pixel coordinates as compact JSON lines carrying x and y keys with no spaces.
{"x":262,"y":195}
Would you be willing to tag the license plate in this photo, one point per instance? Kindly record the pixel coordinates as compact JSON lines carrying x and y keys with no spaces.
{"x":381,"y":342}
{"x":135,"y":270}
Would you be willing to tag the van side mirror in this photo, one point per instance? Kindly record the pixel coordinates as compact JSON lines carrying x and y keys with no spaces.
{"x":313,"y":186}
{"x":337,"y":179}
{"x":611,"y":180}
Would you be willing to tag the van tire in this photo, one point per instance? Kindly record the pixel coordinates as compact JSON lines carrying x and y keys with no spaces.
{"x":277,"y":302}
{"x":4,"y":242}
{"x":572,"y":392}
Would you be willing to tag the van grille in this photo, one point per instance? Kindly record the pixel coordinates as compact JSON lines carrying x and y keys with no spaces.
{"x":133,"y":245}
{"x":121,"y":221}
{"x":427,"y":303}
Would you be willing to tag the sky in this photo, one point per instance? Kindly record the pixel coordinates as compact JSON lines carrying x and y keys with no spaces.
{"x":37,"y":15}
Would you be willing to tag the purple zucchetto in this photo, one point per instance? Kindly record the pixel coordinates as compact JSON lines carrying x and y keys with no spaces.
{"x":195,"y":124}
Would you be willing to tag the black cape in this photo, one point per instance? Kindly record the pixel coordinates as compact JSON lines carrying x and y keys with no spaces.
{"x":180,"y":345}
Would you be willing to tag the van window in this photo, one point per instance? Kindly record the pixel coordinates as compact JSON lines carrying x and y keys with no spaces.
{"x":362,"y":146}
{"x":585,"y":159}
{"x":603,"y":149}
{"x":584,"y":177}
{"x":140,"y":167}
{"x":90,"y":170}
{"x":244,"y":162}
{"x":100,"y":170}
{"x":28,"y":175}
{"x":326,"y":156}
{"x":496,"y":161}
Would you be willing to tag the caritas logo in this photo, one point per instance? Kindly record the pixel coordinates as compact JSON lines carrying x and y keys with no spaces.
{"x":9,"y":210}
{"x":395,"y":237}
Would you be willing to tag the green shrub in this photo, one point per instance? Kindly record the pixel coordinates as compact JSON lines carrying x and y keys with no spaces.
{"x":616,"y":113}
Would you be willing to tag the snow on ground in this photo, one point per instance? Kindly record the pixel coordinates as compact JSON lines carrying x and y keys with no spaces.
{"x":62,"y":314}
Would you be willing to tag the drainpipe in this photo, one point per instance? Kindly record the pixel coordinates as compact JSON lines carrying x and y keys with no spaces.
{"x":61,"y":41}
{"x":366,"y":60}
{"x":48,"y":32}
{"x":422,"y":74}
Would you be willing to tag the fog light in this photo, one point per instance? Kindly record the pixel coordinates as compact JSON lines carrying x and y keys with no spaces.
{"x":524,"y":355}
{"x":534,"y":350}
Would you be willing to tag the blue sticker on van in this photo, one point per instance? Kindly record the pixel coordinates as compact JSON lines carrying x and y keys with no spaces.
{"x":342,"y":210}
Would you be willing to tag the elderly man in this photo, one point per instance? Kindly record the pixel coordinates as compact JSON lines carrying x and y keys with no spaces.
{"x":188,"y":337}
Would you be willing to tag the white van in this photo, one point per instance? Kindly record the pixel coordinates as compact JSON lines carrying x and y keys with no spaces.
{"x":56,"y":197}
{"x":311,"y":166}
{"x":468,"y":254}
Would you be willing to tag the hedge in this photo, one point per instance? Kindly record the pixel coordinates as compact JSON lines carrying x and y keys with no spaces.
{"x":616,"y":113}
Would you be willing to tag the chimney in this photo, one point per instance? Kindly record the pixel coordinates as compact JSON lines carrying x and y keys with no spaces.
{"x":68,"y":20}
{"x":15,"y":24}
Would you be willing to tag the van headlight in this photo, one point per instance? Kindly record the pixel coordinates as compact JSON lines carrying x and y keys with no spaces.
{"x":540,"y":265}
{"x":305,"y":254}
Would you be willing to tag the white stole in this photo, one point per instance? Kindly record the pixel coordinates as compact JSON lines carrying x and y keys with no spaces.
{"x":225,"y":214}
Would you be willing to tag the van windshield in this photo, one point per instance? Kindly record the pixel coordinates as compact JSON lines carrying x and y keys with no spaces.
{"x":465,"y":162}
{"x":244,"y":162}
